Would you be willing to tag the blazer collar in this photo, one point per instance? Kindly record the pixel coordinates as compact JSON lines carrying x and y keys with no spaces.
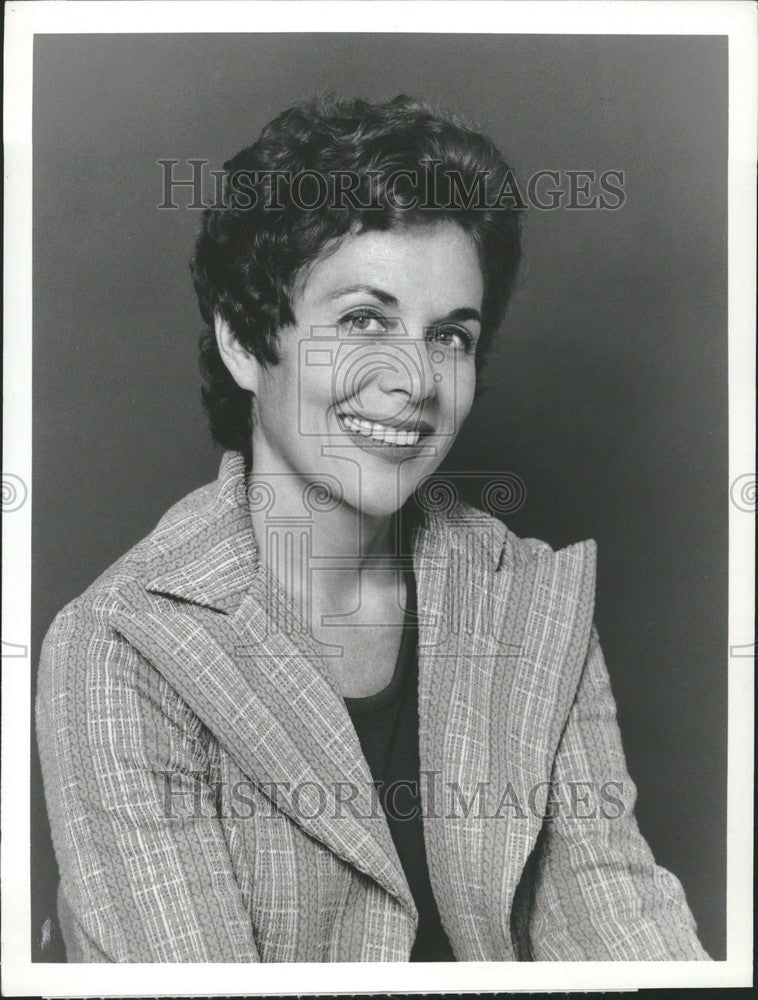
{"x":204,"y":550}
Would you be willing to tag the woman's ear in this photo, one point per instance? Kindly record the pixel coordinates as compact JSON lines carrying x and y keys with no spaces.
{"x":243,"y":366}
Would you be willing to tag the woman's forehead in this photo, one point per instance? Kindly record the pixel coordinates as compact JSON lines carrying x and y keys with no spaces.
{"x":437,"y":258}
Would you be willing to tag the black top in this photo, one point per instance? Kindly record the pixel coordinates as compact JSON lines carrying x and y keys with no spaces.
{"x":387,"y":728}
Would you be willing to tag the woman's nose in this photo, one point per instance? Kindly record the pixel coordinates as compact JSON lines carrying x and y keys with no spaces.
{"x":410,"y":371}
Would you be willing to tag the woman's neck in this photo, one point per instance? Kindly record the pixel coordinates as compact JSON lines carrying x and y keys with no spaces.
{"x":320,"y":551}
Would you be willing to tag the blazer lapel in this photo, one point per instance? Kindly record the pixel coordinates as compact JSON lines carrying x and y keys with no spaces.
{"x":495,"y":690}
{"x":255,"y":678}
{"x":277,"y":715}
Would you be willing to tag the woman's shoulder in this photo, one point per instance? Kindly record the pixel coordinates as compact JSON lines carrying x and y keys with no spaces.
{"x":463,"y":520}
{"x":112,"y":589}
{"x":86,"y":660}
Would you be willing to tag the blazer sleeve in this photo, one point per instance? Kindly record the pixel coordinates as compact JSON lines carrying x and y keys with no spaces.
{"x":598,"y":893}
{"x":146,"y":875}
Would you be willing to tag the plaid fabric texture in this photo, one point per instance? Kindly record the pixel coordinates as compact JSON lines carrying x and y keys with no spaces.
{"x":209,"y":802}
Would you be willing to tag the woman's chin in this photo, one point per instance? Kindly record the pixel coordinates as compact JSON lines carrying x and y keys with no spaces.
{"x":376,"y":508}
{"x":381,"y":500}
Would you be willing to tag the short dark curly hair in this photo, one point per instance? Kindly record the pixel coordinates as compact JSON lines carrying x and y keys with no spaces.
{"x":408,"y":164}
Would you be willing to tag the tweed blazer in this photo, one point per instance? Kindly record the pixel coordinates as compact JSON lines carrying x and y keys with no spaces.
{"x":209,"y":801}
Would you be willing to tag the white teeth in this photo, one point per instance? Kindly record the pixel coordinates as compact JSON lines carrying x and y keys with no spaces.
{"x":358,"y":425}
{"x":378,"y":432}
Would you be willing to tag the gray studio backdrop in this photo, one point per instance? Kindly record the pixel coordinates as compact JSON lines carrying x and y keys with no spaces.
{"x":609,"y":394}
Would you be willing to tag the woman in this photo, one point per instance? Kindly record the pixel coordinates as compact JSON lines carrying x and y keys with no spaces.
{"x":319,"y":714}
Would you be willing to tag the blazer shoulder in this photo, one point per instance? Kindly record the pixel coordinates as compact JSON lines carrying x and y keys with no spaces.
{"x":82,"y":642}
{"x":90,"y":611}
{"x":509,"y":548}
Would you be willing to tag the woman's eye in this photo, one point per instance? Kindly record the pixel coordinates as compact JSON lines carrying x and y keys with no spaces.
{"x":364,"y":322}
{"x":453,"y":336}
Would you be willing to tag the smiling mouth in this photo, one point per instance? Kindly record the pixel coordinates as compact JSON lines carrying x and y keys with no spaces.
{"x":390,"y":437}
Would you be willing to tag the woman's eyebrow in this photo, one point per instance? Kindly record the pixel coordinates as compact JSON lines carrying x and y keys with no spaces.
{"x":384,"y":297}
{"x":387,"y":298}
{"x":461,"y":315}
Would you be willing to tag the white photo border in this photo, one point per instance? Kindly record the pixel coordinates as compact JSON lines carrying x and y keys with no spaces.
{"x":737,"y":20}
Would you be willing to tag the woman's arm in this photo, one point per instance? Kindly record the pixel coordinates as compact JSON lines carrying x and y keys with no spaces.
{"x":143,"y":880}
{"x":598,"y":893}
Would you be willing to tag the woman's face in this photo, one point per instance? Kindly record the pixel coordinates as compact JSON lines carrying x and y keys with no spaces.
{"x":377,"y":375}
